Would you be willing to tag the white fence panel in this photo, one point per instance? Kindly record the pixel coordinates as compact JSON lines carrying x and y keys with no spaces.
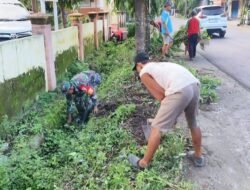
{"x":88,"y":29}
{"x":64,"y":39}
{"x":19,"y":56}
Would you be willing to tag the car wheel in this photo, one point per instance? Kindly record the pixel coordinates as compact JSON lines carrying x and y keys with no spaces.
{"x":222,"y":34}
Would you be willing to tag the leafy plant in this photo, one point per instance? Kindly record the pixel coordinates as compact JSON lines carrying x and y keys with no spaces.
{"x":208,"y":89}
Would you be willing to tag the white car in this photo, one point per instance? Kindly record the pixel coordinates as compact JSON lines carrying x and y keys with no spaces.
{"x":14,"y":20}
{"x":212,"y":18}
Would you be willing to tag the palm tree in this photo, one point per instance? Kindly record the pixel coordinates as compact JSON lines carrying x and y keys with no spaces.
{"x":140,"y":20}
{"x":141,"y":10}
{"x":63,"y":4}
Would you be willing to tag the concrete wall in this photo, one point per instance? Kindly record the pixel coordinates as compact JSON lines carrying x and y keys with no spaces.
{"x":88,"y":29}
{"x":23,"y":63}
{"x":65,"y":48}
{"x":99,"y":25}
{"x":106,"y":29}
{"x":64,"y":39}
{"x":22,"y":72}
{"x":19,"y":56}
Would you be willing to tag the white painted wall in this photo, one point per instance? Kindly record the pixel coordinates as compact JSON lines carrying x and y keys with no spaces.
{"x":100,"y":4}
{"x":106,"y":29}
{"x":88,"y":29}
{"x":64,"y":39}
{"x":19,"y":56}
{"x":99,"y":25}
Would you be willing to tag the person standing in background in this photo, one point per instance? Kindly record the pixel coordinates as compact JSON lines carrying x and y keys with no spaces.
{"x":193,"y":32}
{"x":166,"y":28}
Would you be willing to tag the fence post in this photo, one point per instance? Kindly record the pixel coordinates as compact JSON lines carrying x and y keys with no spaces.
{"x":41,"y":25}
{"x":76,"y":20}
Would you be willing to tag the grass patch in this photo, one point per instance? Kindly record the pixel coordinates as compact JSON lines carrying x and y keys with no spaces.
{"x":95,"y":155}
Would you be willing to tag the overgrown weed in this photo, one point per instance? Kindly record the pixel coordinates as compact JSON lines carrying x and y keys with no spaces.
{"x":92,"y":156}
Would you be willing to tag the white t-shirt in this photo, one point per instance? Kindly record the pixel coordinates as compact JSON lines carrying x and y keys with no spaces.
{"x":170,"y":76}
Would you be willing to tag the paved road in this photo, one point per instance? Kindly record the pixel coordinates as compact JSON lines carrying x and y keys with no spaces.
{"x":230,"y":54}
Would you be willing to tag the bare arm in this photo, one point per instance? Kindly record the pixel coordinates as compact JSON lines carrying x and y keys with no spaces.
{"x":153,"y":87}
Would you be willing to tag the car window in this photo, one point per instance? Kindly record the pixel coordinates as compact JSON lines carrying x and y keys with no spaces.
{"x":209,"y":11}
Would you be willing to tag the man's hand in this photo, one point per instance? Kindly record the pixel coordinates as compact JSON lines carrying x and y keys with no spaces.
{"x":95,"y":110}
{"x":69,"y":120}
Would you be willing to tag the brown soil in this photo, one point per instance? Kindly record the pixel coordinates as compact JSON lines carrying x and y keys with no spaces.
{"x":145,"y":108}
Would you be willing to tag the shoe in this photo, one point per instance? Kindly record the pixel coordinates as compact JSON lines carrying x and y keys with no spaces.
{"x":197,"y":161}
{"x":134,"y":161}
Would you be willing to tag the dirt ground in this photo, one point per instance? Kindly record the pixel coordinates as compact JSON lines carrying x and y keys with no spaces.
{"x":225,"y":129}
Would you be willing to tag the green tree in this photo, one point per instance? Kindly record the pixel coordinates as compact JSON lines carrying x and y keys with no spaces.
{"x":186,"y":6}
{"x":143,"y":10}
{"x":27,"y":4}
{"x":69,"y":4}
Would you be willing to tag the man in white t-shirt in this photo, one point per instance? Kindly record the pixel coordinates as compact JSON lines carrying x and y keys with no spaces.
{"x":178,"y":91}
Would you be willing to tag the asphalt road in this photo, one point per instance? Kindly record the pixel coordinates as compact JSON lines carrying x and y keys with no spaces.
{"x":230,"y":54}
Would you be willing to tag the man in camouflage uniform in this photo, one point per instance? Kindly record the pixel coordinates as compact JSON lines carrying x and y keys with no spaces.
{"x":81,"y":92}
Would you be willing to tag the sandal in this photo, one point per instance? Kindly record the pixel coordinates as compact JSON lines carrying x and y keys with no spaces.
{"x":197,"y":161}
{"x":134,"y":161}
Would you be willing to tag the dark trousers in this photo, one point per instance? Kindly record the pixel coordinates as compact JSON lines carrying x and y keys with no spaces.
{"x":84,"y":108}
{"x":192,"y":43}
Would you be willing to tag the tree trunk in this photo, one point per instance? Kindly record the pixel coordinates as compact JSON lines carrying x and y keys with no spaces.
{"x":63,"y":17}
{"x":34,"y":6}
{"x":147,"y":13}
{"x":140,"y":25}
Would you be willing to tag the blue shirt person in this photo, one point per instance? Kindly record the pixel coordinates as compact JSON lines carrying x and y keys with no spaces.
{"x":166,"y":28}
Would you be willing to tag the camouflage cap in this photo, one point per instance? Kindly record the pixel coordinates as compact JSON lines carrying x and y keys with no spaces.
{"x":65,"y":86}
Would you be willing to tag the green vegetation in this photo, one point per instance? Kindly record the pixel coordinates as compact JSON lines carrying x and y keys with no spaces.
{"x":64,"y":59}
{"x":44,"y":154}
{"x":14,"y":92}
{"x":94,"y":157}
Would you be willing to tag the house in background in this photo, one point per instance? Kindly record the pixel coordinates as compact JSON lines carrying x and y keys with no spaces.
{"x":233,"y":8}
{"x":100,"y":6}
{"x":116,"y":21}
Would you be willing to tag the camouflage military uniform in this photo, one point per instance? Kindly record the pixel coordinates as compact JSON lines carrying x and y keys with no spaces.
{"x":82,"y":101}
